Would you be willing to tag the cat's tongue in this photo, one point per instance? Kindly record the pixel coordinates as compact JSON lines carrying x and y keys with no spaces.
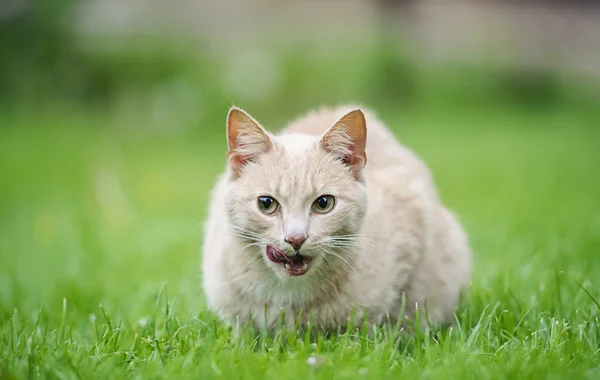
{"x":276,"y":256}
{"x":296,"y":266}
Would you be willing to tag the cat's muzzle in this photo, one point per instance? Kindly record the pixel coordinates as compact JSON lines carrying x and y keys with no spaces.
{"x":296,"y":265}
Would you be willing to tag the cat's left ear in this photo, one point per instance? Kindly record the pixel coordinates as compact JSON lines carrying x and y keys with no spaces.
{"x":347,"y":139}
{"x":246,"y":139}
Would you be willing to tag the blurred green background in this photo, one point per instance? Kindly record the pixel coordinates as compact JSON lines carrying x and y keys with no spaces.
{"x":111,"y":138}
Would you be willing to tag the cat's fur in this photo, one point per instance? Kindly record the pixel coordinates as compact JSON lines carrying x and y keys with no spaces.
{"x":391,"y":233}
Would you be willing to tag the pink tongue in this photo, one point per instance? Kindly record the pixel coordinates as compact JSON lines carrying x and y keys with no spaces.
{"x":294,"y":265}
{"x":276,"y":255}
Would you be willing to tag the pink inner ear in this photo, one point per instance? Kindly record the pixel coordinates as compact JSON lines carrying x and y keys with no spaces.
{"x":356,"y":161}
{"x":237,"y":162}
{"x":360,"y":160}
{"x":347,"y":139}
{"x":247,"y":147}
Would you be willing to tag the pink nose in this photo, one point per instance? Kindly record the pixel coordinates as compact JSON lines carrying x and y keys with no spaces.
{"x":296,"y":240}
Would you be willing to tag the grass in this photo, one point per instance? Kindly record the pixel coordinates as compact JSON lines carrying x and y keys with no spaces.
{"x":99,"y":254}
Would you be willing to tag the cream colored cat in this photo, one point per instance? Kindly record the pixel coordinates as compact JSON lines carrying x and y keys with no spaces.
{"x":325,"y":219}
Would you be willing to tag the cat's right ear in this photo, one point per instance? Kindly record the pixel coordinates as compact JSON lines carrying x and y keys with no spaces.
{"x":246,"y":139}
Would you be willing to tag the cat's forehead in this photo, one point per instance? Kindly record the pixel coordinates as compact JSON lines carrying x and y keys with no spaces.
{"x":294,"y":165}
{"x":298,"y":168}
{"x":297,"y":145}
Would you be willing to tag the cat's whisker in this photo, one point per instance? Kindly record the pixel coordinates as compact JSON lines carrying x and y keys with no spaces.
{"x":242,"y":229}
{"x":344,"y":249}
{"x":256,"y":244}
{"x":333,"y":253}
{"x":327,"y":259}
{"x":246,"y":233}
{"x":350,"y":242}
{"x":353,"y":238}
{"x":361,"y":236}
{"x":348,"y":248}
{"x":349,"y":238}
{"x":353,"y":243}
{"x":246,"y":236}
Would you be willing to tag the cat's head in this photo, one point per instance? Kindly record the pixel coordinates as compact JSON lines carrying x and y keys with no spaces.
{"x":297,"y":201}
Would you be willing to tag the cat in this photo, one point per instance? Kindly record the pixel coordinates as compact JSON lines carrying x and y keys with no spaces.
{"x":330,"y":219}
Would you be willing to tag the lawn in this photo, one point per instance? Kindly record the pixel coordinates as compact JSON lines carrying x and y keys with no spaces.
{"x":100,"y":229}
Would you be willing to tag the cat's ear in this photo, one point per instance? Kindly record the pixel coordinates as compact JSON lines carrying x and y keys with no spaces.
{"x":246,"y":139}
{"x":347,"y":139}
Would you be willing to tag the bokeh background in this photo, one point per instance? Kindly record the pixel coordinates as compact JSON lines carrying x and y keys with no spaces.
{"x":112,"y":117}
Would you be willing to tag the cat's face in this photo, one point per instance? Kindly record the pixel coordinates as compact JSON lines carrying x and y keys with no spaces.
{"x":296,"y":200}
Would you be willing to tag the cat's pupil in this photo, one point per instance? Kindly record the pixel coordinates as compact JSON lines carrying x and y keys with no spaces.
{"x":323,"y":202}
{"x":266,"y":202}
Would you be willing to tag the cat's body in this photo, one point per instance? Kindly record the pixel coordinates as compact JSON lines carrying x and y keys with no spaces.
{"x":386,"y":235}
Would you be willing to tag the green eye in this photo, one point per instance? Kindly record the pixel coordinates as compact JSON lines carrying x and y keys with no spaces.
{"x":267,"y":205}
{"x":324,"y":204}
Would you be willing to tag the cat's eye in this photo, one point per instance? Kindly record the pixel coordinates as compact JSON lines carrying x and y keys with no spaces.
{"x":324,"y":204}
{"x":267,"y":205}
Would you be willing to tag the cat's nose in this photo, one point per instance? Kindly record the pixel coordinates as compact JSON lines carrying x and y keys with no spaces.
{"x":296,"y":240}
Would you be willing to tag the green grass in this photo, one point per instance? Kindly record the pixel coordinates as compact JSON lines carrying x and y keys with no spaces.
{"x":100,"y":228}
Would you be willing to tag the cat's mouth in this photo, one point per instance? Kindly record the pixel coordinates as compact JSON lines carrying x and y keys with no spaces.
{"x":295,"y":266}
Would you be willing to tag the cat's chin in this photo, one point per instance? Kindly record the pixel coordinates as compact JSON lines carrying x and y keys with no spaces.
{"x":293,"y":266}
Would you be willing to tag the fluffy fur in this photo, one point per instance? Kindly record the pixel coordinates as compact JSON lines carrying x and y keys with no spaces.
{"x":387,"y":235}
